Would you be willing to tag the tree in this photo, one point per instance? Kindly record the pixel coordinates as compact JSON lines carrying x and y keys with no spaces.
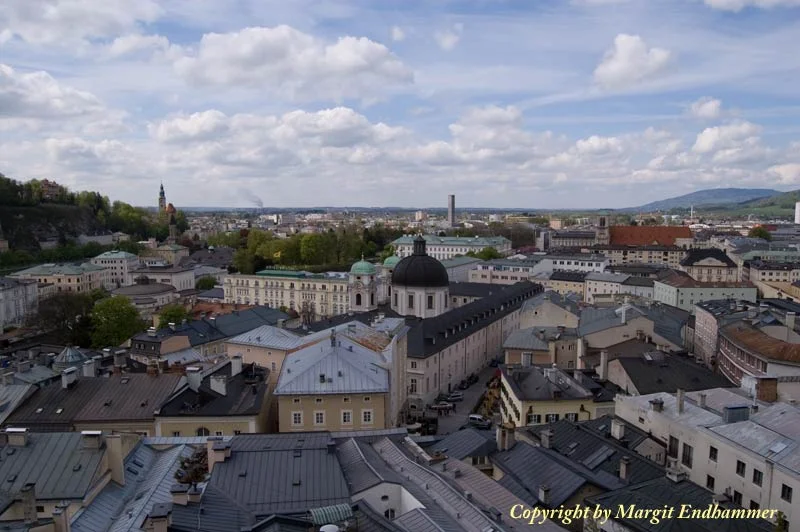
{"x":760,"y":232}
{"x":486,"y":254}
{"x":780,"y":523}
{"x":114,"y":320}
{"x":65,"y":315}
{"x":205,"y":283}
{"x":172,"y":314}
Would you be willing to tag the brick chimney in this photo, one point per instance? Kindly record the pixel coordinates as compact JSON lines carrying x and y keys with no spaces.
{"x":116,"y":458}
{"x":624,"y":467}
{"x":28,"y":495}
{"x":217,"y":451}
{"x":546,"y":438}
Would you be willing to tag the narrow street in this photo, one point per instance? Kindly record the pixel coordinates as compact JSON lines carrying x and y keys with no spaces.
{"x":455,"y":421}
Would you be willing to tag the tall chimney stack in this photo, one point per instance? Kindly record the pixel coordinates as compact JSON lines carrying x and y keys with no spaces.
{"x":680,"y":395}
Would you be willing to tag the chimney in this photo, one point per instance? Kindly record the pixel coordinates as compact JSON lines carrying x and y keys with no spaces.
{"x":152,"y":369}
{"x":790,"y":320}
{"x":544,"y":495}
{"x":219,"y":384}
{"x":88,"y":369}
{"x":91,"y":439}
{"x":624,"y":467}
{"x":151,"y":332}
{"x":624,"y":314}
{"x":617,"y":429}
{"x":116,"y":458}
{"x":236,"y":365}
{"x":120,"y":361}
{"x":17,"y":437}
{"x":160,"y":518}
{"x":767,"y":389}
{"x":657,"y":404}
{"x":217,"y":451}
{"x":331,"y":445}
{"x":640,"y":335}
{"x":7,"y":378}
{"x":61,"y":518}
{"x":602,"y":370}
{"x":171,"y":326}
{"x":28,"y":494}
{"x":180,"y":494}
{"x":23,"y":366}
{"x":546,"y":438}
{"x":194,"y":376}
{"x":680,"y":396}
{"x":69,"y":377}
{"x":702,"y":400}
{"x":194,"y":494}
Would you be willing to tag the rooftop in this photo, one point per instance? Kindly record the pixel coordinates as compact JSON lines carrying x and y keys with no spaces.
{"x":475,"y":289}
{"x":572,"y":277}
{"x":607,"y":277}
{"x":116,"y":255}
{"x":467,"y":241}
{"x":570,"y":304}
{"x":47,"y":270}
{"x":534,"y":383}
{"x":162,"y":269}
{"x":128,"y":397}
{"x":647,"y":235}
{"x":697,"y":255}
{"x":537,"y":338}
{"x":54,"y":408}
{"x":660,"y":372}
{"x":459,"y":261}
{"x":466,"y":443}
{"x":757,"y":342}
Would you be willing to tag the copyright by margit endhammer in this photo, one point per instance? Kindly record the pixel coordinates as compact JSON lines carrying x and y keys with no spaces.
{"x":565,"y":515}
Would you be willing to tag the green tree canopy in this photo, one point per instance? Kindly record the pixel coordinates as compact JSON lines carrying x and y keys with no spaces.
{"x":205,"y":283}
{"x":174,"y":313}
{"x":760,"y":232}
{"x":114,"y":320}
{"x":64,"y":314}
{"x":486,"y":254}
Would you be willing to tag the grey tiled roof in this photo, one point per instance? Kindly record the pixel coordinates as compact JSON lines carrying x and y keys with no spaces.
{"x":347,"y":367}
{"x":467,"y":443}
{"x":268,"y":336}
{"x":670,"y":373}
{"x":53,"y":408}
{"x":56,"y":462}
{"x":360,"y":467}
{"x":530,"y":338}
{"x":298,"y":474}
{"x":567,"y":303}
{"x":12,"y":395}
{"x":149,"y":475}
{"x":475,"y":289}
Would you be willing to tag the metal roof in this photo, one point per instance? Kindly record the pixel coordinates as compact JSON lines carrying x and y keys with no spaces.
{"x":362,"y":468}
{"x":128,"y":397}
{"x":347,"y":367}
{"x":11,"y":395}
{"x":466,"y":443}
{"x":57,"y":463}
{"x":54,"y":408}
{"x":331,"y":514}
{"x":465,"y":241}
{"x":268,"y":336}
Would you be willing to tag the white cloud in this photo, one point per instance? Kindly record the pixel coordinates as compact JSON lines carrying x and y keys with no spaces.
{"x":738,"y":5}
{"x":629,"y":62}
{"x":68,"y":21}
{"x":706,"y":108}
{"x":397,"y":33}
{"x":294,"y":64}
{"x":134,"y":43}
{"x":787,"y":174}
{"x":725,"y":137}
{"x":38,"y":95}
{"x":448,"y":39}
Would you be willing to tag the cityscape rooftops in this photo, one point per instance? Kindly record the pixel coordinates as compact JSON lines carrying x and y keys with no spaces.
{"x":646,"y":235}
{"x":51,"y":270}
{"x":116,"y":255}
{"x":537,"y":338}
{"x":660,"y":372}
{"x":696,"y":255}
{"x":680,"y":279}
{"x":758,"y":343}
{"x":433,"y":240}
{"x":533,"y":383}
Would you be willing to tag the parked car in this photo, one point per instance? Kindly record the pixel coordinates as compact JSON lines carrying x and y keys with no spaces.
{"x":479,"y":422}
{"x":463,"y":385}
{"x":472,"y":379}
{"x":442,"y":406}
{"x":455,"y":397}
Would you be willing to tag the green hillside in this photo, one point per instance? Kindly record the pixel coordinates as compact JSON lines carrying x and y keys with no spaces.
{"x":785,"y":200}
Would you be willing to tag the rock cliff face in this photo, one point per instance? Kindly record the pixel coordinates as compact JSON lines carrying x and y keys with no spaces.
{"x":25,"y":227}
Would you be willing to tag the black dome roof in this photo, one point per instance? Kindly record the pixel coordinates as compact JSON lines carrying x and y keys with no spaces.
{"x":420,"y":270}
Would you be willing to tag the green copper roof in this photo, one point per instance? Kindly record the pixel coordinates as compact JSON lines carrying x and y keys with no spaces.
{"x":363,"y":267}
{"x":392,"y":261}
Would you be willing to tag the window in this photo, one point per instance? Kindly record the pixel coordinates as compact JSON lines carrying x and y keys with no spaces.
{"x":712,"y":453}
{"x":413,"y":364}
{"x":202,"y":431}
{"x":572,"y":417}
{"x":358,"y":300}
{"x":430,"y":302}
{"x":297,"y":418}
{"x":686,"y":459}
{"x":740,"y":468}
{"x":410,"y":300}
{"x":318,"y":400}
{"x":672,"y":450}
{"x":395,"y":299}
{"x":366,"y":398}
{"x":347,"y":417}
{"x":754,"y":505}
{"x":237,"y":432}
{"x":218,"y":433}
{"x":413,"y":387}
{"x":366,"y":417}
{"x":786,"y":493}
{"x":296,"y":400}
{"x":345,"y":399}
{"x":176,"y":434}
{"x":551,"y":418}
{"x":319,"y":418}
{"x":710,"y":482}
{"x":533,"y":419}
{"x":737,"y":498}
{"x":758,"y":477}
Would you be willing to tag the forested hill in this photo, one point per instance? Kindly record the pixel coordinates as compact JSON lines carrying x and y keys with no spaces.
{"x":35,"y":211}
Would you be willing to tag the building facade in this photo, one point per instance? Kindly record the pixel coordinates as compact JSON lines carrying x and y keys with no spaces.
{"x":117,"y":265}
{"x":19,"y":299}
{"x":72,"y":278}
{"x":182,"y":278}
{"x":445,"y":247}
{"x":684,"y":292}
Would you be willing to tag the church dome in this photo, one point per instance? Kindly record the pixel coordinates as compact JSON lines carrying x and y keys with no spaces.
{"x":363,"y":267}
{"x":69,"y":358}
{"x":391,"y":262}
{"x":420,"y":270}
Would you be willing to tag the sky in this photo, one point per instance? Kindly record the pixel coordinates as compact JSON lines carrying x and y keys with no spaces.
{"x":540,"y":104}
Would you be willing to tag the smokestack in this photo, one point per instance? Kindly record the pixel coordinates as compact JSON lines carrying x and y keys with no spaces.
{"x":602,"y":371}
{"x":236,"y":365}
{"x":624,"y":466}
{"x":194,"y":376}
{"x":702,"y":400}
{"x":546,"y":438}
{"x":680,"y":397}
{"x":544,"y":495}
{"x":451,"y":210}
{"x":28,"y":493}
{"x":219,"y":384}
{"x":69,"y":377}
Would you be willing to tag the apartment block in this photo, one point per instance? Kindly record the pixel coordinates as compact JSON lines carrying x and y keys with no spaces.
{"x":19,"y":300}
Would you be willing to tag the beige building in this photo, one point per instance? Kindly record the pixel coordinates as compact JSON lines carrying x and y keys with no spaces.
{"x":549,"y":309}
{"x":773,"y":272}
{"x":170,"y":253}
{"x":562,"y":283}
{"x":73,"y":278}
{"x":550,"y":346}
{"x":447,"y":247}
{"x":228,"y":399}
{"x":337,"y":385}
{"x":656,"y":255}
{"x":323,"y":294}
{"x":678,"y":289}
{"x":117,"y":265}
{"x":532,"y":395}
{"x":710,"y":265}
{"x":736,"y":447}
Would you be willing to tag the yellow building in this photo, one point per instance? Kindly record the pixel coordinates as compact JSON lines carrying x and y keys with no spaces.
{"x":73,"y":278}
{"x":336,"y":385}
{"x":229,"y":399}
{"x":532,"y":395}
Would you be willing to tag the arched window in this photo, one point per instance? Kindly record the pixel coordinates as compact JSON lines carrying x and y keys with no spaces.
{"x":389,"y":514}
{"x":202,"y":431}
{"x":358,"y":300}
{"x":372,"y":299}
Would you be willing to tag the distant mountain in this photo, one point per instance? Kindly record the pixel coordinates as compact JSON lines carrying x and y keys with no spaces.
{"x":781,"y":200}
{"x":711,"y":196}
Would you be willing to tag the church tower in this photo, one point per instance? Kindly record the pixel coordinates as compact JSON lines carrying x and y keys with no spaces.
{"x":162,"y":201}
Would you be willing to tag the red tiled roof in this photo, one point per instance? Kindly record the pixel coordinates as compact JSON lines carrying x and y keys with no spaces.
{"x":647,"y":235}
{"x":748,"y":337}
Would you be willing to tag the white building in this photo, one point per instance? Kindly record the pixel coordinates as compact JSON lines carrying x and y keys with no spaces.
{"x":182,"y":278}
{"x":735,"y":446}
{"x":678,"y":289}
{"x":447,"y":247}
{"x":19,"y":299}
{"x":116,"y":267}
{"x":458,"y":268}
{"x":603,"y":284}
{"x":509,"y":271}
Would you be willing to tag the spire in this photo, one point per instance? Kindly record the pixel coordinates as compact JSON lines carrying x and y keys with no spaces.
{"x":419,"y":245}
